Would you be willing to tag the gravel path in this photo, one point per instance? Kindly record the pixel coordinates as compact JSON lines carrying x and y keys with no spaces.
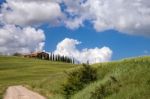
{"x":20,"y":92}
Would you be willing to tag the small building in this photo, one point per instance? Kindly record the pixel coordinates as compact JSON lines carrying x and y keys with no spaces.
{"x":40,"y":55}
{"x":32,"y":55}
{"x":43,"y":55}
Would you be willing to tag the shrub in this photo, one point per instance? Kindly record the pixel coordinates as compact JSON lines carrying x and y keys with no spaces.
{"x":17,"y":54}
{"x":78,"y":78}
{"x":88,"y":74}
{"x":106,"y":89}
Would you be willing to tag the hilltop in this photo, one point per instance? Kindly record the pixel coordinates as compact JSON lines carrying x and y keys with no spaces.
{"x":128,"y":78}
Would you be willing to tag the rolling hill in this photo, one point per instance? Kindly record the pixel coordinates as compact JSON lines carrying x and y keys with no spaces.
{"x":124,"y":79}
{"x":40,"y":75}
{"x":127,"y":79}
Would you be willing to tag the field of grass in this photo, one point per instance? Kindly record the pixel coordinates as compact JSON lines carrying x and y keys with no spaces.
{"x":39,"y":75}
{"x":130,"y":77}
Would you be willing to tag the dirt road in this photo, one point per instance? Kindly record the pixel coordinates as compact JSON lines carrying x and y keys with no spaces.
{"x":20,"y":92}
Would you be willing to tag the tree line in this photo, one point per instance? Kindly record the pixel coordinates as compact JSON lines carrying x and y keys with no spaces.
{"x":55,"y":57}
{"x":59,"y":58}
{"x":49,"y":56}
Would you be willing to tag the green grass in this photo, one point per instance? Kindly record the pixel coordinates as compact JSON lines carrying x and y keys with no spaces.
{"x":133,"y":76}
{"x":39,"y":75}
{"x":46,"y":77}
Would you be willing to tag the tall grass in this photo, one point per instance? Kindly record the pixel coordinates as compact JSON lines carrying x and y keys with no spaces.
{"x":39,"y":75}
{"x":133,"y":76}
{"x":46,"y":77}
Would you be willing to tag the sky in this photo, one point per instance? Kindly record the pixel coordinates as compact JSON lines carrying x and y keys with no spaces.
{"x":93,"y":30}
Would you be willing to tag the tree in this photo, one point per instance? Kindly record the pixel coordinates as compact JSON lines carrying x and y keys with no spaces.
{"x":53,"y":57}
{"x":17,"y":54}
{"x":73,"y":61}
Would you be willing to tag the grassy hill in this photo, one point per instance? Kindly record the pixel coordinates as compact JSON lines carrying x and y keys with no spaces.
{"x":40,"y":75}
{"x":125,"y":79}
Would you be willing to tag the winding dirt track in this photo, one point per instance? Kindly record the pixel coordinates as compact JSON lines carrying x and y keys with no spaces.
{"x":20,"y":92}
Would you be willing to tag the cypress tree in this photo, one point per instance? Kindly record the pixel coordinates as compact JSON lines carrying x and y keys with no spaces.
{"x":59,"y":58}
{"x":56,"y":57}
{"x":53,"y":57}
{"x":63,"y":58}
{"x":72,"y":60}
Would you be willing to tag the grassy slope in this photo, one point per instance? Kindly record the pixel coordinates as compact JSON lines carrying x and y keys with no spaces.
{"x":46,"y":77}
{"x":40,"y":75}
{"x":132,"y":74}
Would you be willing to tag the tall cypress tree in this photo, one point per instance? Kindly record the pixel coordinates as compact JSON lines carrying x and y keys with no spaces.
{"x":72,"y":60}
{"x":50,"y":56}
{"x":53,"y":57}
{"x":59,"y":58}
{"x":56,"y":57}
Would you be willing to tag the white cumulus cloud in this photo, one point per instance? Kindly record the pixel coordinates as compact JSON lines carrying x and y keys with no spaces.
{"x":127,"y":16}
{"x":23,"y":40}
{"x":30,"y":12}
{"x":67,"y":47}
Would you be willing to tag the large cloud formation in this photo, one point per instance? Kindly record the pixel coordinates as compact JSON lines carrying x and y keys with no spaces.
{"x":67,"y":47}
{"x":23,"y":40}
{"x":30,"y":12}
{"x":18,"y":16}
{"x":127,"y":16}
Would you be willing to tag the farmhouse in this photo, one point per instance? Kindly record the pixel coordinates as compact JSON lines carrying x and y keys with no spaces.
{"x":43,"y":55}
{"x":40,"y":55}
{"x":50,"y":56}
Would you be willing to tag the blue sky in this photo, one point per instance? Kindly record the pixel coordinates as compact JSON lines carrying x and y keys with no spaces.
{"x":1,"y":1}
{"x":122,"y":45}
{"x":94,"y":23}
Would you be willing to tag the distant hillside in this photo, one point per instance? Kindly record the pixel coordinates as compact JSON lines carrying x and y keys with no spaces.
{"x":125,"y":79}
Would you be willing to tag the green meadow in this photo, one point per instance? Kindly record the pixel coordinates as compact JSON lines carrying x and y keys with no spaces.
{"x":40,"y":75}
{"x":132,"y":80}
{"x":124,"y":79}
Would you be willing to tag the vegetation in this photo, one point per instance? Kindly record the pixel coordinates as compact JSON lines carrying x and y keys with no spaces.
{"x":17,"y":54}
{"x":39,"y":75}
{"x":110,"y":87}
{"x":78,"y":79}
{"x":125,"y":79}
{"x":55,"y":57}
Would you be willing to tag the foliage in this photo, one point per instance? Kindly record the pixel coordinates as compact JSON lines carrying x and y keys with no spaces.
{"x":17,"y":54}
{"x":46,"y":77}
{"x":132,"y":75}
{"x":78,"y":78}
{"x":39,"y":75}
{"x":59,"y":58}
{"x":106,"y":89}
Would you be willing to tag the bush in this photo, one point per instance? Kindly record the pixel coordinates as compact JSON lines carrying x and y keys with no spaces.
{"x":106,"y":89}
{"x":17,"y":54}
{"x":88,"y":74}
{"x":77,"y":79}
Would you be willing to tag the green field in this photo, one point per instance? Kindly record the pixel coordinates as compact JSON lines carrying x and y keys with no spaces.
{"x":46,"y":77}
{"x":133,"y":76}
{"x":40,"y":75}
